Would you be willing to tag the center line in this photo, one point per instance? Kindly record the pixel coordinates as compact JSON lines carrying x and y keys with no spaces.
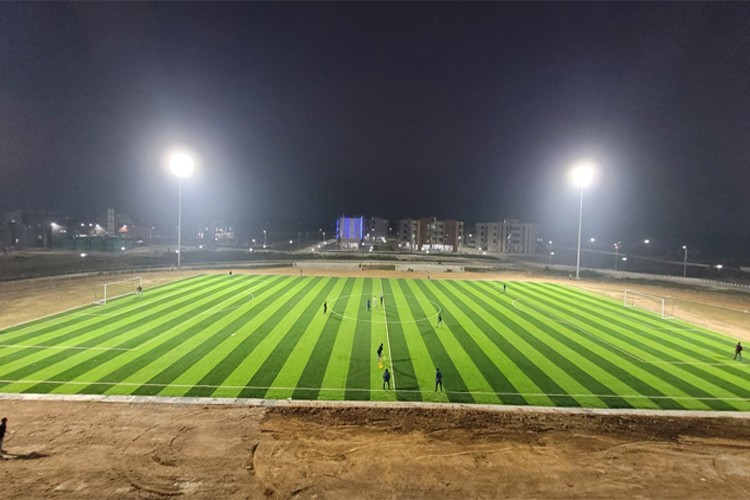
{"x":387,"y":337}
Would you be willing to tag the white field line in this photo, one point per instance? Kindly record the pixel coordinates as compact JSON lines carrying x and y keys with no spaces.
{"x":385,"y":319}
{"x":341,"y":389}
{"x":704,"y":363}
{"x":388,"y":338}
{"x":78,"y":347}
{"x":73,"y":309}
{"x":140,"y":346}
{"x":581,"y":330}
{"x":45,"y":316}
{"x":646,"y":362}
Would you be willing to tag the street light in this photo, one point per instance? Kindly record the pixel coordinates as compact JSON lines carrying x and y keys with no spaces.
{"x":684,"y":262}
{"x":182,"y":166}
{"x":581,"y":175}
{"x":551,"y":253}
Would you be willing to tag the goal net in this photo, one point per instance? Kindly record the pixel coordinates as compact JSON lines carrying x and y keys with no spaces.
{"x":109,"y":291}
{"x":658,"y":305}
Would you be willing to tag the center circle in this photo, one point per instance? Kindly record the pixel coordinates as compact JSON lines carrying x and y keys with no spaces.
{"x":385,"y":313}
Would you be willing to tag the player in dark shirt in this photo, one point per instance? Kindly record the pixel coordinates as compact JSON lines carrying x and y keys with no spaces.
{"x":3,"y":429}
{"x":438,"y":380}
{"x":380,"y":353}
{"x":738,"y":351}
{"x":386,"y":378}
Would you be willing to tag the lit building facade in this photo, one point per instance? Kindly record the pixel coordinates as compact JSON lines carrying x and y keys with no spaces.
{"x":508,"y":236}
{"x":431,"y":235}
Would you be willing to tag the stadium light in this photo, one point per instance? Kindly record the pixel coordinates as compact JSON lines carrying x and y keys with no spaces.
{"x":181,"y":164}
{"x":581,"y":174}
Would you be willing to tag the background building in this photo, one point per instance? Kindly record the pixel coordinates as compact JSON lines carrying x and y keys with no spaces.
{"x":350,"y":232}
{"x":376,"y":229}
{"x":508,"y":236}
{"x":430,"y":235}
{"x":406,"y":234}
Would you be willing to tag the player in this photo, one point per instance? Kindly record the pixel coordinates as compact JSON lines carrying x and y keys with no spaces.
{"x":380,"y":353}
{"x":381,"y":300}
{"x":3,"y":429}
{"x":440,"y":320}
{"x":505,"y":288}
{"x":368,"y":304}
{"x":438,"y":380}
{"x":139,"y":290}
{"x":386,"y":379}
{"x":325,"y":307}
{"x":738,"y":351}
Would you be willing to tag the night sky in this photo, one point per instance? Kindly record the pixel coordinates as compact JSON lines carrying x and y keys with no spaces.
{"x":301,"y":112}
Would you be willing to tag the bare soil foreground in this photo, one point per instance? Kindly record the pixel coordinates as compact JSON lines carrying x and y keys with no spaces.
{"x":74,"y":449}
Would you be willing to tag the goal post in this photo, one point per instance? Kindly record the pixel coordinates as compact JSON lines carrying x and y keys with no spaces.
{"x":654,"y":303}
{"x":115,"y":289}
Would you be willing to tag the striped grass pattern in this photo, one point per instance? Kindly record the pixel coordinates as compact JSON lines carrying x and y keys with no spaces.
{"x":247,"y":336}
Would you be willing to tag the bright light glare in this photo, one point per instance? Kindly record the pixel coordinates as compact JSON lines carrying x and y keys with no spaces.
{"x":582,"y":174}
{"x":181,"y":164}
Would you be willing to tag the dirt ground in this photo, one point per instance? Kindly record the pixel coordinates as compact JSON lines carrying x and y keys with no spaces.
{"x":71,"y":449}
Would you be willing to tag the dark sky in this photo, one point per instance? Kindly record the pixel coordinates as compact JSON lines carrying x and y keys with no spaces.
{"x":304,"y":111}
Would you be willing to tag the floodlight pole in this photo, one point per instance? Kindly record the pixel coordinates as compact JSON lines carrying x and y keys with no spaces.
{"x":179,"y":223}
{"x":182,"y":166}
{"x":551,"y":253}
{"x":580,"y":221}
{"x":684,"y":262}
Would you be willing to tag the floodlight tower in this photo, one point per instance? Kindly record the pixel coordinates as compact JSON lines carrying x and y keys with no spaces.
{"x":182,"y":166}
{"x":581,"y":175}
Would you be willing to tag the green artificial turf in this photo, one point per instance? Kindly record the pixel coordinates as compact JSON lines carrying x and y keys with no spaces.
{"x":267,"y":337}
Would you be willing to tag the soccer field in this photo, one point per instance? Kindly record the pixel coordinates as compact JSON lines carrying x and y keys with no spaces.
{"x":267,"y":337}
